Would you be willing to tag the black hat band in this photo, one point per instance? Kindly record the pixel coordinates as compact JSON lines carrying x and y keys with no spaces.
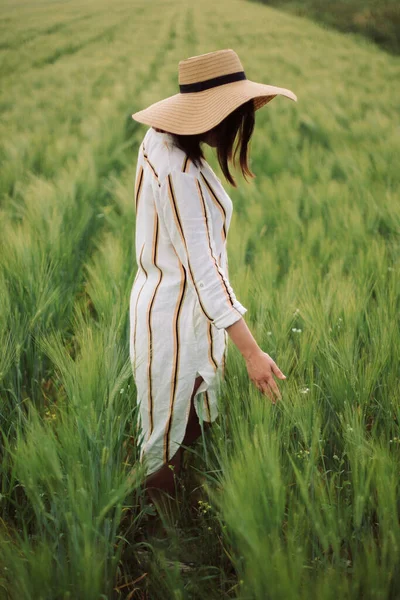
{"x":200,"y":86}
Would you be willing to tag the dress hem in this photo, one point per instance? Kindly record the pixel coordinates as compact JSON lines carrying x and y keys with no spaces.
{"x":200,"y":417}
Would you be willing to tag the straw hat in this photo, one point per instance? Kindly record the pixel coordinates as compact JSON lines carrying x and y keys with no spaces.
{"x":211,"y":86}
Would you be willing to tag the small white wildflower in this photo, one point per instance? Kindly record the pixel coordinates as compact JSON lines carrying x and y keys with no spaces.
{"x":296,"y":330}
{"x":121,"y":391}
{"x":296,"y":312}
{"x":269,"y":332}
{"x":305,"y":390}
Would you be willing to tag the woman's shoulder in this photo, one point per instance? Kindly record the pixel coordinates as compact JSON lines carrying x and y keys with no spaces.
{"x":165,"y":156}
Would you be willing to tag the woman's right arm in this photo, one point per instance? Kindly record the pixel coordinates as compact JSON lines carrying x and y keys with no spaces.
{"x":260,"y":366}
{"x":182,"y":207}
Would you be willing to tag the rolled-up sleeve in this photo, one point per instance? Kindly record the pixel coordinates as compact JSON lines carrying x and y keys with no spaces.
{"x":184,"y":211}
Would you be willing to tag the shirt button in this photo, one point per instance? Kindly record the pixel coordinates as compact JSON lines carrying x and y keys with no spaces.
{"x":201,"y":284}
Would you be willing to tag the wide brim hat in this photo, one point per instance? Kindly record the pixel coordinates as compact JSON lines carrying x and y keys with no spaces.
{"x":211,"y":86}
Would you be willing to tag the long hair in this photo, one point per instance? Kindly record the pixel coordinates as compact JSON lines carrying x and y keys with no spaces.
{"x":238,"y":124}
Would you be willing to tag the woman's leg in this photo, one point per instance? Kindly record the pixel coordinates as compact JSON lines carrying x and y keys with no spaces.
{"x":193,"y":429}
{"x":164,"y":478}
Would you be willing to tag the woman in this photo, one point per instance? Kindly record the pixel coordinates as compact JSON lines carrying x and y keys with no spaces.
{"x":182,"y":306}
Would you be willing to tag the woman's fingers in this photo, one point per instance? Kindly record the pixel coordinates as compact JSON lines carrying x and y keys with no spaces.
{"x":262,"y":370}
{"x":266,"y":390}
{"x":269,"y":388}
{"x":276,"y":371}
{"x":274,"y":387}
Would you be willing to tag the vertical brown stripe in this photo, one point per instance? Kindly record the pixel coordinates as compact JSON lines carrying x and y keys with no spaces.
{"x":186,"y":162}
{"x":152,"y":168}
{"x":209,"y":242}
{"x":175,"y":372}
{"x":210,"y":346}
{"x":207,"y":403}
{"x":219,"y":205}
{"x":138,"y":187}
{"x":175,"y":212}
{"x":136,"y":305}
{"x":149,"y":330}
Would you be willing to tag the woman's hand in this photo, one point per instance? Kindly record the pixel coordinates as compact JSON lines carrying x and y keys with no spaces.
{"x":260,"y":366}
{"x":261,"y":369}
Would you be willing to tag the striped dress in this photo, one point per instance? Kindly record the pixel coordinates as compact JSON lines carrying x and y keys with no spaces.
{"x":181,"y":299}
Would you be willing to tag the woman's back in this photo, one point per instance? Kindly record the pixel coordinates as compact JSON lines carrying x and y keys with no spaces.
{"x":181,"y":299}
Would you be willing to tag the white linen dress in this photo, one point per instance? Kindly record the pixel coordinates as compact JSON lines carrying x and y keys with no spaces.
{"x":181,"y":299}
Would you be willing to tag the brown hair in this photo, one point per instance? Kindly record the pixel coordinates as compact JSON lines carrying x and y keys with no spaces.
{"x":239,"y":123}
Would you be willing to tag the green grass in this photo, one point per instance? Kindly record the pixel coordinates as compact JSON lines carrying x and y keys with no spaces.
{"x":377,"y":20}
{"x":300,"y":499}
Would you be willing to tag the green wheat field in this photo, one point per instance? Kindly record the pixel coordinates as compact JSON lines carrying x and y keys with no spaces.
{"x":295,"y":501}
